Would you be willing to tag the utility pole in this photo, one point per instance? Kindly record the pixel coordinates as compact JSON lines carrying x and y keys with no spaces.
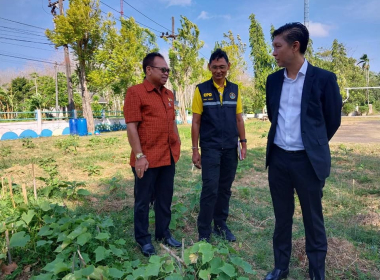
{"x":56,"y":88}
{"x":172,"y":36}
{"x":306,"y":13}
{"x":71,"y":106}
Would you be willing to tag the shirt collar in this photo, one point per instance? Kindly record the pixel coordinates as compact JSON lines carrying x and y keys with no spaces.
{"x":302,"y":70}
{"x":149,"y":87}
{"x":217,"y":86}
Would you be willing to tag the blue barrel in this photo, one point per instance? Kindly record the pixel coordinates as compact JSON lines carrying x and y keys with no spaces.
{"x":73,"y":125}
{"x":82,"y":127}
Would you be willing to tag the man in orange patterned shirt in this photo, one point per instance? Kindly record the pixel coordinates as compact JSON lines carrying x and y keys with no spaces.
{"x":153,"y":135}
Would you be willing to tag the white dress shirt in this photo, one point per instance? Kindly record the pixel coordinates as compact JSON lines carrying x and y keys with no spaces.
{"x":288,"y":130}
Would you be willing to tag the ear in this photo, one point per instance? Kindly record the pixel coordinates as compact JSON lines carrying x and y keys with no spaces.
{"x":148,"y":70}
{"x":209,"y":66}
{"x":296,"y":46}
{"x":228,"y":66}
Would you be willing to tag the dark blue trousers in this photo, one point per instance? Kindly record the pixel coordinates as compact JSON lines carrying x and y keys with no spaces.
{"x":289,"y":172}
{"x":159,"y":182}
{"x":218,"y":173}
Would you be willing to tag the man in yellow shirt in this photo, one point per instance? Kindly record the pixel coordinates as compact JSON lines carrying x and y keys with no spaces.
{"x":217,"y":124}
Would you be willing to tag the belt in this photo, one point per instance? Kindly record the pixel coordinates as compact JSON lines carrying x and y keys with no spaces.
{"x":290,"y":152}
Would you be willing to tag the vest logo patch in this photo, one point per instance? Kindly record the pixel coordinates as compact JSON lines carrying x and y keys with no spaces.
{"x":232,"y":95}
{"x":207,"y":95}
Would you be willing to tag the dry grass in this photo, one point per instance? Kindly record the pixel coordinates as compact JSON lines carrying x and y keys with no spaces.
{"x":343,"y":259}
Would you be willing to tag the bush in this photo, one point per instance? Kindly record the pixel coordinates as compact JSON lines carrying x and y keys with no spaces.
{"x":363,"y":109}
{"x":348,"y":108}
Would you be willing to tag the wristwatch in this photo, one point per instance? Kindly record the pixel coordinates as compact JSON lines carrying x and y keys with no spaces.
{"x":243,"y":140}
{"x":139,"y":155}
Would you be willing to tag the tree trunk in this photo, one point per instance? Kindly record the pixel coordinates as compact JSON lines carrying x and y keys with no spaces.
{"x":182,"y":106}
{"x":86,"y":99}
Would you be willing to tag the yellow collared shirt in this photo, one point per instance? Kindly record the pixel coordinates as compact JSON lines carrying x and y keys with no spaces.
{"x":197,"y":106}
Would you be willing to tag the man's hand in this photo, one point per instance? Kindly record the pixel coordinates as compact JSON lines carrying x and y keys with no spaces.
{"x":141,"y":166}
{"x":197,"y":159}
{"x":243,"y":152}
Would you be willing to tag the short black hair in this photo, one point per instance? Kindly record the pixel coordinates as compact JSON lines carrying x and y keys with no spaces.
{"x":294,"y":31}
{"x":217,"y":54}
{"x":149,"y":58}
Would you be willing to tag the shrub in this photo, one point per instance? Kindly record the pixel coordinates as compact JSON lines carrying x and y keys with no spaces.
{"x":348,"y":108}
{"x":363,"y":109}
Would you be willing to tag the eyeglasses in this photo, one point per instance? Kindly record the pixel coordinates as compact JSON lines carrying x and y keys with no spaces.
{"x":163,"y":69}
{"x":221,"y":67}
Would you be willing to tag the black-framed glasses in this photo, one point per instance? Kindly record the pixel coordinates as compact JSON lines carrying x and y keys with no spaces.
{"x":221,"y":67}
{"x":163,"y":69}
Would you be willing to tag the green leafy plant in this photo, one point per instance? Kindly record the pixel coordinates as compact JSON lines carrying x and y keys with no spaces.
{"x":92,"y":169}
{"x":68,"y":145}
{"x":94,"y":141}
{"x":111,"y":141}
{"x":28,"y":143}
{"x":5,"y":151}
{"x":72,"y":189}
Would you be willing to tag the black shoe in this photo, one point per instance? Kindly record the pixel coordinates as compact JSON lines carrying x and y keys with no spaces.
{"x":148,"y":250}
{"x":277,"y":274}
{"x":204,"y":238}
{"x":225,"y":233}
{"x":172,"y":242}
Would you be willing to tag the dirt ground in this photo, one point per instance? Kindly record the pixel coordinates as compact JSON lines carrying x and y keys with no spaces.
{"x":358,"y":130}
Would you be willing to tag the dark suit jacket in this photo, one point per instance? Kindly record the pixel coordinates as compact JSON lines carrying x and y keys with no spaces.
{"x":320,"y":114}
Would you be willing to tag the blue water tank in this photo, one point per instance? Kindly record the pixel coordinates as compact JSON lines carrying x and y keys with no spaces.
{"x":82,"y":127}
{"x":73,"y":125}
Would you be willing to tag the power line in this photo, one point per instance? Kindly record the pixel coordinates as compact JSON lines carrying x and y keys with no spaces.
{"x":109,"y":7}
{"x":37,"y":60}
{"x":145,"y":15}
{"x":22,"y":23}
{"x":26,"y":41}
{"x":19,"y":29}
{"x":19,"y":34}
{"x":28,"y":46}
{"x":140,"y":24}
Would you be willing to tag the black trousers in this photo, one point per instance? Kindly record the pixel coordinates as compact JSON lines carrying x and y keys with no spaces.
{"x":158,"y":182}
{"x":289,"y":172}
{"x":218,"y":173}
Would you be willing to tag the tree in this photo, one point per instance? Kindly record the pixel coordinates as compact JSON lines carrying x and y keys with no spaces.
{"x":187,"y":67}
{"x":119,"y":61}
{"x":81,"y":29}
{"x":263,"y":62}
{"x":364,"y":61}
{"x":20,"y":92}
{"x":235,"y":50}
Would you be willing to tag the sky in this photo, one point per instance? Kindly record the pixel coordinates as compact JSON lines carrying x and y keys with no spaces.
{"x":354,"y":23}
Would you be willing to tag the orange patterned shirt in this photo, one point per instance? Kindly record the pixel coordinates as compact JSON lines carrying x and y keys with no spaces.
{"x":155,"y":114}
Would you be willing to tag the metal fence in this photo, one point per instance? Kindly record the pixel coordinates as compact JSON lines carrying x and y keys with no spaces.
{"x":56,"y":115}
{"x":18,"y":116}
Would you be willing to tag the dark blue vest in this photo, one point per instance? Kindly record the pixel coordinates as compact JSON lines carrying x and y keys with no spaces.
{"x":218,"y":121}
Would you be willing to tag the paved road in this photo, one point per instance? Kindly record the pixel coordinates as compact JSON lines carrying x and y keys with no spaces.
{"x":358,"y":130}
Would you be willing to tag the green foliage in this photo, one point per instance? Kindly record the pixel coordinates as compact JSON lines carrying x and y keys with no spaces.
{"x":121,"y":55}
{"x":348,"y":108}
{"x":109,"y":141}
{"x":28,"y":143}
{"x":94,"y":142}
{"x":205,"y":261}
{"x":69,"y":144}
{"x":363,"y":110}
{"x":5,"y":151}
{"x":186,"y":66}
{"x":263,"y":61}
{"x":92,"y":169}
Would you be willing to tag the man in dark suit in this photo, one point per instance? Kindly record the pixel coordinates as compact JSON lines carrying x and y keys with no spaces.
{"x":304,"y":107}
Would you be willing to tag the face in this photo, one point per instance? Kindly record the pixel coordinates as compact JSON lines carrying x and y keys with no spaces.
{"x":283,"y":52}
{"x":219,"y":68}
{"x":154,"y":73}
